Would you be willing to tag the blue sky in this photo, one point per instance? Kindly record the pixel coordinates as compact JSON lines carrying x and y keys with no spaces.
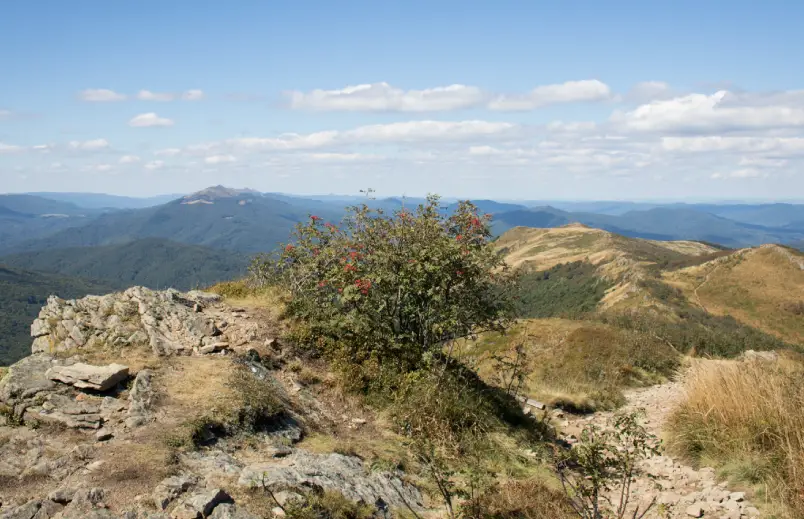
{"x":504,"y":99}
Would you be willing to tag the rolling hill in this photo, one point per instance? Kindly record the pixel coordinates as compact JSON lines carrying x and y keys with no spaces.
{"x":152,"y":262}
{"x":659,"y":223}
{"x":22,"y":294}
{"x":762,"y":287}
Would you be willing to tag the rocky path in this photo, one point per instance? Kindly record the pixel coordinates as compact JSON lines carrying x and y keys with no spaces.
{"x":680,"y":490}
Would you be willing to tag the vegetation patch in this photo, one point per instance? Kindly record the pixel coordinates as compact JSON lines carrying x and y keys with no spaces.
{"x":568,"y":290}
{"x":580,"y":366}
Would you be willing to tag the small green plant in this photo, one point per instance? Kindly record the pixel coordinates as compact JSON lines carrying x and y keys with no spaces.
{"x":605,"y":461}
{"x":512,"y":370}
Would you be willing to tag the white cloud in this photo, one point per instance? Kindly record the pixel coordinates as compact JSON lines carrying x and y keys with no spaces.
{"x":91,"y":145}
{"x":10,"y":148}
{"x":716,"y":113}
{"x":193,"y":95}
{"x":154,"y":164}
{"x":129,"y":159}
{"x":168,"y":152}
{"x":219,"y":159}
{"x":568,"y":92}
{"x":100,"y":95}
{"x":147,"y":95}
{"x":382,"y":97}
{"x":103,"y":167}
{"x":56,"y":165}
{"x":5,"y":114}
{"x":42,"y":148}
{"x":149,"y":119}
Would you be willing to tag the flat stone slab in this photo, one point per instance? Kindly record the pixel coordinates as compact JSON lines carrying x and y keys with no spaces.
{"x":87,"y":376}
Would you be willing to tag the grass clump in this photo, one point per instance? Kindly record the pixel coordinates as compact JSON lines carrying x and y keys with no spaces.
{"x":253,"y":404}
{"x":746,"y":419}
{"x":526,"y":499}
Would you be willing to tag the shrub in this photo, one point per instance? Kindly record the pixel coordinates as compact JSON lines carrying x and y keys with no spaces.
{"x":746,"y":417}
{"x":390,"y":288}
{"x":604,"y":460}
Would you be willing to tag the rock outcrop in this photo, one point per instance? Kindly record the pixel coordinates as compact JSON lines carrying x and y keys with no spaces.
{"x":85,"y":376}
{"x":88,"y":416}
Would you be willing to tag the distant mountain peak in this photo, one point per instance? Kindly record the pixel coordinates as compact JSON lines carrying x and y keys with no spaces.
{"x":210,"y":194}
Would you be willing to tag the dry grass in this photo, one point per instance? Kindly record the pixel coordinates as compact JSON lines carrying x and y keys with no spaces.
{"x":746,"y":417}
{"x":577,"y":365}
{"x":528,"y":499}
{"x":760,"y":287}
{"x":242,"y":293}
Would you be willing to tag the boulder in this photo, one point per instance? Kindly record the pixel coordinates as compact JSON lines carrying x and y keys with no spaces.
{"x":140,"y":399}
{"x":200,"y":505}
{"x":87,"y":376}
{"x":345,"y":474}
{"x":171,"y":488}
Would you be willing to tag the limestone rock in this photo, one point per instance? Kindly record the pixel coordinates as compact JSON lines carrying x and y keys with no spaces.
{"x":345,"y":474}
{"x":140,"y":399}
{"x":87,"y":376}
{"x":199,"y":505}
{"x":171,"y":488}
{"x":694,"y":511}
{"x":230,"y":511}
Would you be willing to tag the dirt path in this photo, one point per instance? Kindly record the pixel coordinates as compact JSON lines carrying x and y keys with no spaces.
{"x":680,"y":490}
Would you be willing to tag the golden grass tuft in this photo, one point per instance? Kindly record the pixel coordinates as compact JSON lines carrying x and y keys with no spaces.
{"x":746,"y":418}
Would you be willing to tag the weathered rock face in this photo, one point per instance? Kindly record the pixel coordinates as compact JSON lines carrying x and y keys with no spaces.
{"x":168,"y":321}
{"x":86,"y":376}
{"x":346,"y":474}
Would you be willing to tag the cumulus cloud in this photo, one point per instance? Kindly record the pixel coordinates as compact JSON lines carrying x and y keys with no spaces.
{"x":588,"y":90}
{"x":129,"y":159}
{"x":149,"y":119}
{"x":100,"y":95}
{"x":103,"y":167}
{"x":154,"y":165}
{"x":42,"y":148}
{"x":91,"y":145}
{"x":344,"y":157}
{"x":382,"y":97}
{"x":219,"y":159}
{"x":721,"y":112}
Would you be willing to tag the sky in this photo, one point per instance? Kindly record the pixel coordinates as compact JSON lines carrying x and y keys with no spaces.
{"x":572,"y":100}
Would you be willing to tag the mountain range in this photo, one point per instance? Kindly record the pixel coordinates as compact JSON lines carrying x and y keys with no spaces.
{"x":73,"y":244}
